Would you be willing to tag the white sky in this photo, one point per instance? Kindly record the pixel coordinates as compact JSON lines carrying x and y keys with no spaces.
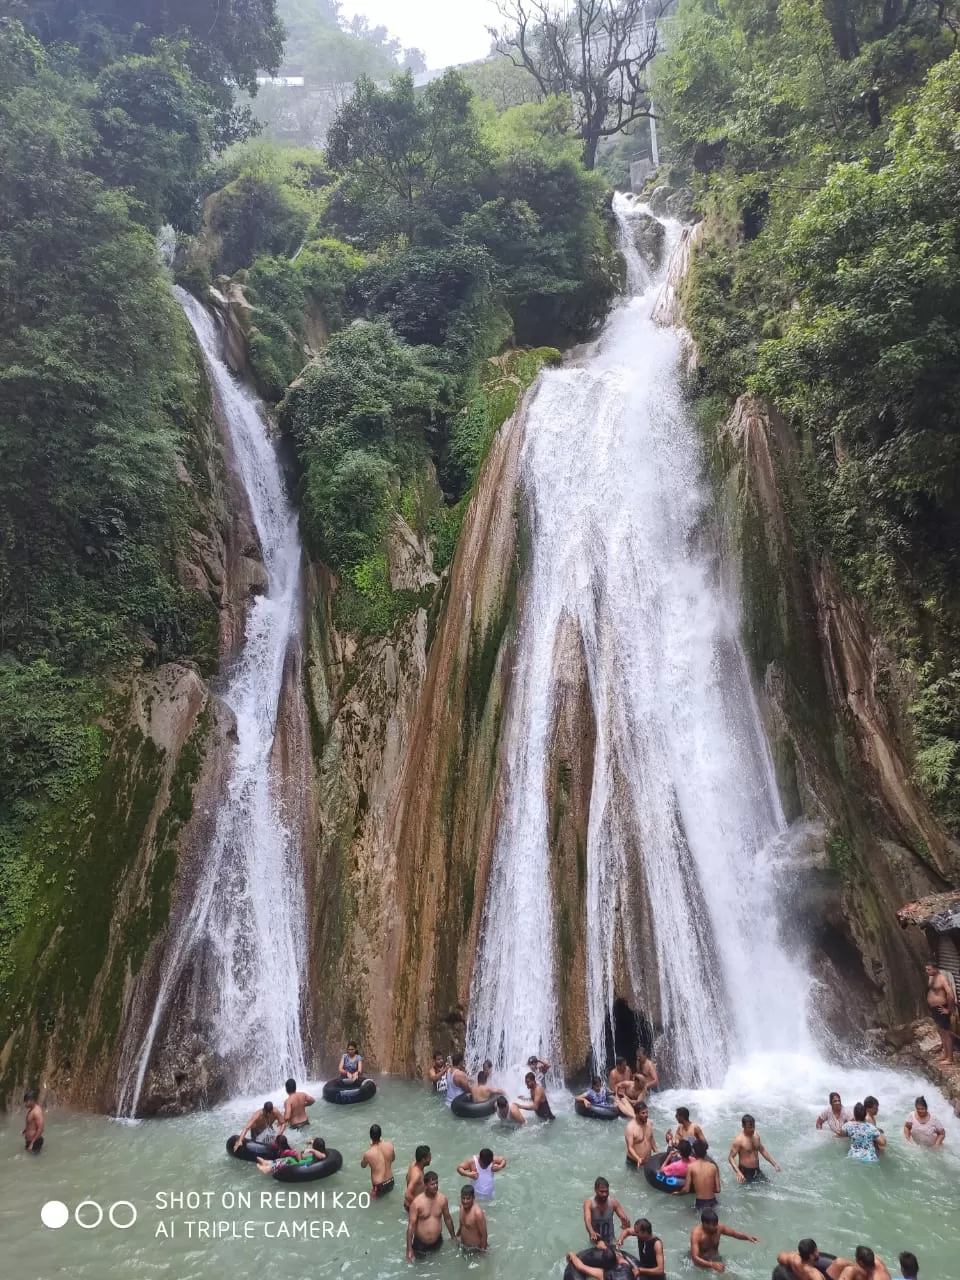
{"x":448,"y":31}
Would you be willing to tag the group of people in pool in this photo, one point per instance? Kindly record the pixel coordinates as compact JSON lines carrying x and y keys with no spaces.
{"x":867,"y":1139}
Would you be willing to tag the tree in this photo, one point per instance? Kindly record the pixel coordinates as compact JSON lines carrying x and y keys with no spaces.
{"x":596,"y":55}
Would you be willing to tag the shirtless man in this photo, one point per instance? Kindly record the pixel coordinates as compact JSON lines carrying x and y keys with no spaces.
{"x":472,"y":1229}
{"x":703,"y":1179}
{"x":705,"y":1241}
{"x":295,"y":1107}
{"x":33,"y":1123}
{"x":415,"y":1175}
{"x":508,"y":1113}
{"x":806,"y":1263}
{"x":620,"y":1075}
{"x":437,"y":1072}
{"x":481,"y":1091}
{"x":942,"y":1003}
{"x":379,"y":1158}
{"x":685,"y":1129}
{"x":747,"y":1148}
{"x":639,"y":1137}
{"x":426,"y":1217}
{"x":646,"y":1076}
{"x":866,"y":1266}
{"x":261,"y":1125}
{"x":538,"y":1103}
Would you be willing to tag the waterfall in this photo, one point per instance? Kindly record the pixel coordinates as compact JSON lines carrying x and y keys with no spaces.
{"x":684,"y":811}
{"x":243,"y":929}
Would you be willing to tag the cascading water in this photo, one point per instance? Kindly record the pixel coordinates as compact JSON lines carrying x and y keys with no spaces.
{"x":244,"y":928}
{"x":683,"y":801}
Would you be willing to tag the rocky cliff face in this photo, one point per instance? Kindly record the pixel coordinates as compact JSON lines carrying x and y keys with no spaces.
{"x":830,"y":696}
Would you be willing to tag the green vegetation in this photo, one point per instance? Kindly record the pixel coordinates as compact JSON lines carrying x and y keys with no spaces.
{"x":106,"y":129}
{"x":822,"y":142}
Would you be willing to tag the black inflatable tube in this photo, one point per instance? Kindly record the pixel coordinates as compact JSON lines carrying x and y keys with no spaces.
{"x":603,"y":1258}
{"x":596,"y":1113}
{"x":251,"y":1150}
{"x":337,"y":1091}
{"x":651,"y":1171}
{"x":311,"y":1172}
{"x":465,"y":1107}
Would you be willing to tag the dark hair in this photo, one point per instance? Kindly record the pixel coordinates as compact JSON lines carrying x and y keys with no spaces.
{"x":621,"y":1059}
{"x":870,"y":1102}
{"x":438,"y":1053}
{"x":532,"y":1060}
{"x":467,"y":1192}
{"x":485,"y":1158}
{"x":30,"y":1096}
{"x":487,"y":1065}
{"x":685,"y":1147}
{"x":430,"y":1176}
{"x":291,"y":1085}
{"x":807,"y":1249}
{"x":529,"y":1076}
{"x":352,"y":1044}
{"x":864,"y":1256}
{"x":642,"y":1224}
{"x":456,"y":1059}
{"x":834,"y":1095}
{"x":596,"y":1080}
{"x":909,"y":1266}
{"x":747,"y":1119}
{"x":481,"y":1077}
{"x":780,"y":1272}
{"x":601,"y":1182}
{"x":421,"y":1153}
{"x":375,"y":1133}
{"x":920,"y":1102}
{"x":859,"y":1111}
{"x":268,"y":1107}
{"x":699,"y":1148}
{"x":683,"y":1114}
{"x":709,"y":1218}
{"x":501,"y":1103}
{"x":319,"y":1144}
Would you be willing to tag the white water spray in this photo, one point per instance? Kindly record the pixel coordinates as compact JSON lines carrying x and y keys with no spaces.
{"x":244,"y":929}
{"x":683,"y":797}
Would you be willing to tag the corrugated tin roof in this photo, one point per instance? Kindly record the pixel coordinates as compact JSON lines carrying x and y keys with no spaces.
{"x":939,"y":911}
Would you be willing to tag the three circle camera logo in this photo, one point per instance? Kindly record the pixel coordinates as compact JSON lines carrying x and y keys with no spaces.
{"x":89,"y":1214}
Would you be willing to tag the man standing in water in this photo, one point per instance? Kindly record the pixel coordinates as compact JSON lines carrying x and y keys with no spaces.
{"x":457,"y":1079}
{"x":639,"y":1137}
{"x":34,"y":1122}
{"x":437,"y":1072}
{"x":598,"y":1214}
{"x":538,"y":1103}
{"x":425,"y":1220}
{"x":415,"y":1175}
{"x":942,"y":1003}
{"x":295,"y":1107}
{"x":472,"y":1230}
{"x":747,"y":1149}
{"x":866,"y":1266}
{"x":379,"y":1158}
{"x":703,"y":1179}
{"x":705,"y":1241}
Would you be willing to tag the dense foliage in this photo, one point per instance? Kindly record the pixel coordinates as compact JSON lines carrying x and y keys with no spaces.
{"x":824,"y":144}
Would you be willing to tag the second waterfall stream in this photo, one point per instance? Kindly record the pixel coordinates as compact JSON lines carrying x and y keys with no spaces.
{"x":684,"y":818}
{"x":239,"y":943}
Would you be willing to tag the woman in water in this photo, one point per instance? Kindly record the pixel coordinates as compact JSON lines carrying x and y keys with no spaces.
{"x":923,"y":1128}
{"x":866,"y":1140}
{"x":835,"y":1116}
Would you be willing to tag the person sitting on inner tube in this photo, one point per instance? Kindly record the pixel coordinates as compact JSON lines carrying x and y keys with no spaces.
{"x":315,"y":1152}
{"x":481,"y":1091}
{"x":457,"y":1079}
{"x":649,"y":1248}
{"x":621,"y":1268}
{"x":261,"y":1126}
{"x":685,"y":1129}
{"x":597,"y":1095}
{"x":809,"y":1264}
{"x":351,"y":1065}
{"x":677,"y":1166}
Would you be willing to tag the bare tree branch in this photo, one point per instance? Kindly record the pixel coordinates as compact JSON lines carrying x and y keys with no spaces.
{"x":596,"y":54}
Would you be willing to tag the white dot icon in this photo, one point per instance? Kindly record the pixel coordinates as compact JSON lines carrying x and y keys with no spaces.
{"x":54,"y":1215}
